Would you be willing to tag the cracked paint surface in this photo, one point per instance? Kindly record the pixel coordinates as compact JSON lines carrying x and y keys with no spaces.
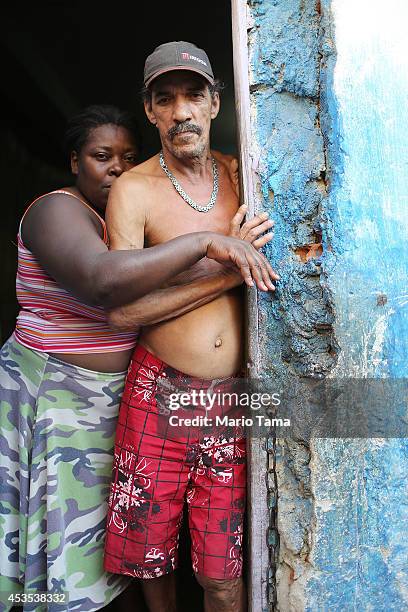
{"x":329,"y":85}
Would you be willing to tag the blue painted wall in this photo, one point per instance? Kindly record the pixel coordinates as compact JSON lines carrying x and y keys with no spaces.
{"x":329,"y":90}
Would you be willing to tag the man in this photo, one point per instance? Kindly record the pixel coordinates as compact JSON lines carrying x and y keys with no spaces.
{"x":201,"y":340}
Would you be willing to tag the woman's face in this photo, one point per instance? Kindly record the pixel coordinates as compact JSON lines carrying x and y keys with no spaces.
{"x":108,"y":151}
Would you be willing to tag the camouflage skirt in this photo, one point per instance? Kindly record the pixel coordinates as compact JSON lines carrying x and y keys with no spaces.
{"x":57,"y":430}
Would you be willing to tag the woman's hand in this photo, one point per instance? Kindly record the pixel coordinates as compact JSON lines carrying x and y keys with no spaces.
{"x":252,"y":265}
{"x":252,"y":232}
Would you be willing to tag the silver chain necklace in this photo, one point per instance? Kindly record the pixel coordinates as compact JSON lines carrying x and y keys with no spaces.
{"x":183,"y":194}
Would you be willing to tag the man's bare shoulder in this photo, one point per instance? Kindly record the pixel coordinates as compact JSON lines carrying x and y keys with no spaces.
{"x":228,"y":168}
{"x":148,"y":169}
{"x":138,"y":179}
{"x":224,"y":158}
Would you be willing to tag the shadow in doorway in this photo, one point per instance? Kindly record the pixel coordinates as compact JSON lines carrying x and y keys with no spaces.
{"x":59,"y":57}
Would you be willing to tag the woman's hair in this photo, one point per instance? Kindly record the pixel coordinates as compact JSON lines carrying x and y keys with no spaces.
{"x":80,"y":125}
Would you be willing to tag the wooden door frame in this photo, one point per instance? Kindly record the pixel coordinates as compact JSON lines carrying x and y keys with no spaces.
{"x":257,"y":504}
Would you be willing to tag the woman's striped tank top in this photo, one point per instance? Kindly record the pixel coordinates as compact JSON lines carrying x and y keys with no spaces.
{"x":51,"y":319}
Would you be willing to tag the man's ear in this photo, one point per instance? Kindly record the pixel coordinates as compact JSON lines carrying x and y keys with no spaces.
{"x":215,"y":104}
{"x":149,"y":112}
{"x":74,"y":163}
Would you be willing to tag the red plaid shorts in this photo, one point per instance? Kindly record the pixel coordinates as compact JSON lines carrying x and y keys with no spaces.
{"x":154,"y":473}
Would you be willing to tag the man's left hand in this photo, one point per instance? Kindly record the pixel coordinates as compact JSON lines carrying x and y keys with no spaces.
{"x":252,"y":231}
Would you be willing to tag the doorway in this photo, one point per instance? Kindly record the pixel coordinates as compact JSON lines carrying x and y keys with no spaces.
{"x":59,"y":57}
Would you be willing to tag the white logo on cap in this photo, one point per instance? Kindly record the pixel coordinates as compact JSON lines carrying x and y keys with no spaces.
{"x":187,"y":56}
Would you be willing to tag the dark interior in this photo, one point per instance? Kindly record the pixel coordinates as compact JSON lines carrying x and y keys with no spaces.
{"x":60,"y":56}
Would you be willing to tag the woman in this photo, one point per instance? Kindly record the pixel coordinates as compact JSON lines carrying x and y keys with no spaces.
{"x":62,"y":371}
{"x":66,"y":369}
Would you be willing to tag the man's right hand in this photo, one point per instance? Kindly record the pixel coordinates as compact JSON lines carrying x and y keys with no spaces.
{"x":252,"y":265}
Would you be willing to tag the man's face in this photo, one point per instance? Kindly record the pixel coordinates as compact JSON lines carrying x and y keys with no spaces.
{"x":182,"y":109}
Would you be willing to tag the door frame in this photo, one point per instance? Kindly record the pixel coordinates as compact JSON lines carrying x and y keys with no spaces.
{"x":258,"y":513}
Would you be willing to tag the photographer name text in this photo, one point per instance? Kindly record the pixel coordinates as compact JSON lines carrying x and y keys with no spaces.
{"x":206,"y":421}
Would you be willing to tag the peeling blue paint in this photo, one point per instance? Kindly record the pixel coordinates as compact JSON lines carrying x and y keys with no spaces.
{"x":292,"y":179}
{"x":361,"y":544}
{"x":333,"y":170}
{"x":360,"y":552}
{"x":285,"y":57}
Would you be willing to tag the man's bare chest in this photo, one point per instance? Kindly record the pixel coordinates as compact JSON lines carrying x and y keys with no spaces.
{"x":172,"y":216}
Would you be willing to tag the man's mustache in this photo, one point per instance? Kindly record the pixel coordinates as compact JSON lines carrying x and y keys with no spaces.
{"x":184,"y":127}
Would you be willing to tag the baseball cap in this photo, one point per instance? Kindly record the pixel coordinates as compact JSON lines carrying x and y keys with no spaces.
{"x":177,"y":55}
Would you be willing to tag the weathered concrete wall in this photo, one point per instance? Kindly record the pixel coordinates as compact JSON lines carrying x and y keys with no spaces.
{"x":296,"y":327}
{"x":329,"y":85}
{"x":360,"y":488}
